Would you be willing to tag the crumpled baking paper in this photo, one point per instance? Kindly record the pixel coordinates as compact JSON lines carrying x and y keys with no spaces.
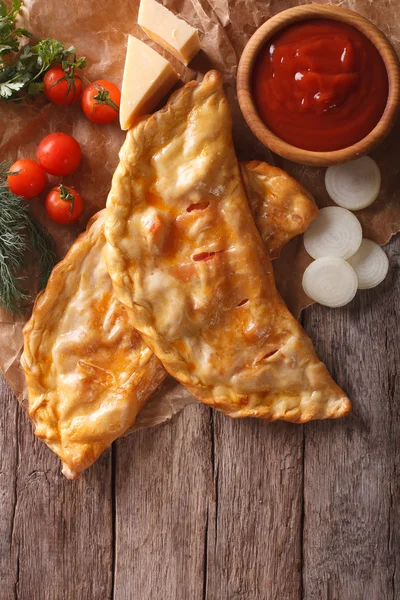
{"x":99,"y":31}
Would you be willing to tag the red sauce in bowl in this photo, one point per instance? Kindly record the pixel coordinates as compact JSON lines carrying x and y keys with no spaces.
{"x":320,"y":85}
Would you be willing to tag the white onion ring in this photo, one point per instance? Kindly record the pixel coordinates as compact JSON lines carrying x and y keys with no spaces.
{"x":370,"y":264}
{"x":330,"y":281}
{"x":335,"y":232}
{"x":354,"y":185}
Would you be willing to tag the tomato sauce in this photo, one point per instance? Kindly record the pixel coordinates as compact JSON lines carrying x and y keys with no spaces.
{"x":320,"y":85}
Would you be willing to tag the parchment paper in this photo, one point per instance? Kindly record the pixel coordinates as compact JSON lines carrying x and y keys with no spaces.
{"x":98,"y":30}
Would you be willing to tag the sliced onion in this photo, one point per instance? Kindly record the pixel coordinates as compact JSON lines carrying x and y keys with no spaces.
{"x":335,"y":232}
{"x":330,"y":281}
{"x":354,"y":185}
{"x":370,"y":264}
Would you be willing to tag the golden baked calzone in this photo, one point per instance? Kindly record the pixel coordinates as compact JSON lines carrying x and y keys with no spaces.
{"x":185,"y":256}
{"x":88,"y":371}
{"x":282,"y":208}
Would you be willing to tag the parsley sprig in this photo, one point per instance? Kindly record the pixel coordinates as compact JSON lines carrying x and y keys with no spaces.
{"x":22,"y":69}
{"x":23,"y":241}
{"x":9,"y":41}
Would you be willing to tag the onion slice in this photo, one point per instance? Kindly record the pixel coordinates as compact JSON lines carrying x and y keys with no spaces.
{"x":354,"y":185}
{"x":370,"y":264}
{"x":330,"y":281}
{"x":335,"y":232}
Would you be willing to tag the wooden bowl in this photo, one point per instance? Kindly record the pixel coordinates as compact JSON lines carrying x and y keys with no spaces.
{"x":276,"y":144}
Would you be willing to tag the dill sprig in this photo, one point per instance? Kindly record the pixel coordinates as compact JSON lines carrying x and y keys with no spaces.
{"x":22,"y":241}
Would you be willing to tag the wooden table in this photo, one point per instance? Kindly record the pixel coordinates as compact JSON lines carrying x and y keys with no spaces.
{"x":205,"y":507}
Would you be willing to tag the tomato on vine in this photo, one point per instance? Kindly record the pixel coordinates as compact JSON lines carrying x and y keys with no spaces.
{"x":61,"y":87}
{"x":100,"y":101}
{"x":64,"y":204}
{"x":61,"y":84}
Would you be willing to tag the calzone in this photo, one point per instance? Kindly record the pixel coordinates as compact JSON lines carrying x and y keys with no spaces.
{"x":88,"y":372}
{"x":282,"y":208}
{"x":186,"y":258}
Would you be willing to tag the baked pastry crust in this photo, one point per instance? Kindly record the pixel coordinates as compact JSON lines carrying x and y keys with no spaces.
{"x":57,"y":424}
{"x":88,"y":370}
{"x":185,"y":256}
{"x":282,"y":208}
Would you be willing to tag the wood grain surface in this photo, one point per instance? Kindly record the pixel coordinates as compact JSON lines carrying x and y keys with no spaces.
{"x":207,"y":508}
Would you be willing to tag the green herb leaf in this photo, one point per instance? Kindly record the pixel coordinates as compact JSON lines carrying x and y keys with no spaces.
{"x":48,"y":51}
{"x":16,"y":6}
{"x":4,"y":49}
{"x":44,"y":248}
{"x":9,"y":34}
{"x":35,"y":88}
{"x":7,"y":89}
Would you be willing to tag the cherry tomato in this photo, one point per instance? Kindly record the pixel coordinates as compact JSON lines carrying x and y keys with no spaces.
{"x":26,"y":178}
{"x":59,"y":154}
{"x":62,"y":87}
{"x":64,"y":204}
{"x":100,"y":101}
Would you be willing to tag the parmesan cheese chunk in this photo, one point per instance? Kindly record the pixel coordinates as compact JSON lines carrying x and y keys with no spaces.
{"x":174,"y":34}
{"x":147,"y":78}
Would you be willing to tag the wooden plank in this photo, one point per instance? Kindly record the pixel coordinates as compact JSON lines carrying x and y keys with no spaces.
{"x":58,"y":533}
{"x":163,"y":483}
{"x":205,"y":495}
{"x":254,"y":541}
{"x":8,"y":493}
{"x":352,"y":509}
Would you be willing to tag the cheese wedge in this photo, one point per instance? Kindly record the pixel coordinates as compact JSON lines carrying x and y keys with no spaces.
{"x":166,"y":29}
{"x":147,"y":78}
